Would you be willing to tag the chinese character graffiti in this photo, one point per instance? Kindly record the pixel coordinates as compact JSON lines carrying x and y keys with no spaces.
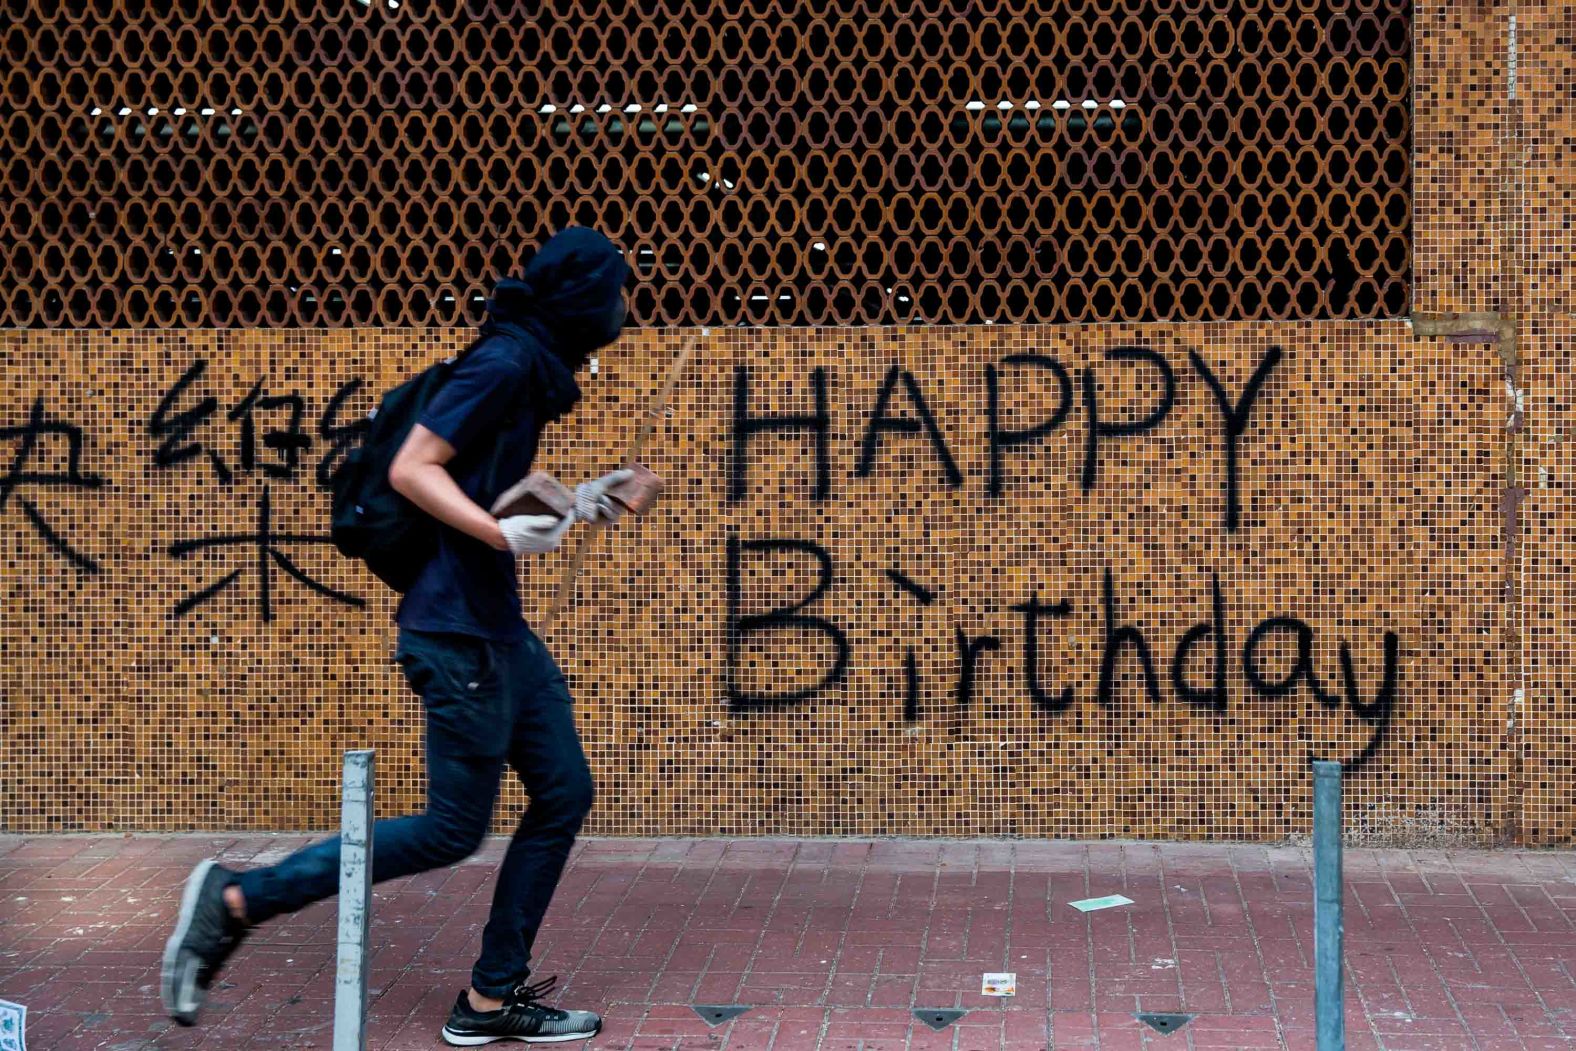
{"x":264,"y":552}
{"x":269,"y":436}
{"x":22,"y":472}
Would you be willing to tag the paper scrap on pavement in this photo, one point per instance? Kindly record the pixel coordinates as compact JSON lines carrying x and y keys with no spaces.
{"x":1110,"y":901}
{"x":1000,"y":985}
{"x":13,"y":1023}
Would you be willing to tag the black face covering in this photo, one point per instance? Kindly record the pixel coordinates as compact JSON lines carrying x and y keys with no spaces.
{"x":575,"y":287}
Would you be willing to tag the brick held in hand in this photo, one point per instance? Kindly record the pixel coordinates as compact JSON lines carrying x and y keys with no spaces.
{"x":639,"y":493}
{"x":538,"y":493}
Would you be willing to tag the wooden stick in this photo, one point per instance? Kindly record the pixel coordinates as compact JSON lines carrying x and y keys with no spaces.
{"x":648,"y":427}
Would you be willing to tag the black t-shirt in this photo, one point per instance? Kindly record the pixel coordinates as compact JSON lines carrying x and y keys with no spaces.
{"x":468,"y":587}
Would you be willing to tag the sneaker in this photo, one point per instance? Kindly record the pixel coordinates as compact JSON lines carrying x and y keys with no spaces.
{"x":523,"y":1017}
{"x":205,"y":936}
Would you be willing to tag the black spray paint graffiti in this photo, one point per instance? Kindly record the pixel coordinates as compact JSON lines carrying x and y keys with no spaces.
{"x":274,"y":447}
{"x":1015,"y":440}
{"x":910,"y":658}
{"x":760,"y":632}
{"x":265,"y":554}
{"x":22,"y":472}
{"x":341,"y":437}
{"x":1001,"y":438}
{"x":742,"y":625}
{"x":176,"y":429}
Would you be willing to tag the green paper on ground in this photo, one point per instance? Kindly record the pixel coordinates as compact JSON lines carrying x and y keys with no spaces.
{"x":1110,"y":901}
{"x":13,"y":1025}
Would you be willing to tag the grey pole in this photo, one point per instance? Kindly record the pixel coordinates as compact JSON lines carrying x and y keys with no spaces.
{"x":1329,"y":1008}
{"x":355,"y":903}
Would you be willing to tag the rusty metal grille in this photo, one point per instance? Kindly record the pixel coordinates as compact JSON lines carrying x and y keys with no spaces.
{"x":764,"y":163}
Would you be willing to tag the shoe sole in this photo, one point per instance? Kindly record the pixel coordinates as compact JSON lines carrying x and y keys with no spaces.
{"x":466,"y":1040}
{"x":170,"y":970}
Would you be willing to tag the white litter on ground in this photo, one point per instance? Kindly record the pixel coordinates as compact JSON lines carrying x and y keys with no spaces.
{"x":1005,"y":984}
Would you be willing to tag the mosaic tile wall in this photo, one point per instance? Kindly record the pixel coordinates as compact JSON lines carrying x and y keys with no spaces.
{"x":1388,"y":483}
{"x":1542,"y":133}
{"x":152,"y":686}
{"x":1459,"y":161}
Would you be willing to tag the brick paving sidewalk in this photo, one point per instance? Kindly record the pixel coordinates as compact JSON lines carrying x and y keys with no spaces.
{"x":832,"y":944}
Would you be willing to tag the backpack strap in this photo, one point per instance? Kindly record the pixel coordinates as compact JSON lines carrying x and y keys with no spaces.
{"x":492,"y":484}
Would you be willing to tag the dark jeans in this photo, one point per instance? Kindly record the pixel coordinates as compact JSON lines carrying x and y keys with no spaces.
{"x":487,"y":703}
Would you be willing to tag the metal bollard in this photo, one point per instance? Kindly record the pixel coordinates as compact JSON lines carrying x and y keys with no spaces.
{"x":355,"y":903}
{"x":1329,"y":1008}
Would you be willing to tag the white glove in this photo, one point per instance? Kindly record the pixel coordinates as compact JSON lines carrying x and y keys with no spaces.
{"x":534,"y":534}
{"x":592,"y":504}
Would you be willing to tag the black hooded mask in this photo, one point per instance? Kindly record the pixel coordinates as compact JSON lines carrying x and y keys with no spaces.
{"x":571,"y":296}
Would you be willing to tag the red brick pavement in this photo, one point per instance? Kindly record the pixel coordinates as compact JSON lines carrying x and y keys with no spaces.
{"x":833,"y":943}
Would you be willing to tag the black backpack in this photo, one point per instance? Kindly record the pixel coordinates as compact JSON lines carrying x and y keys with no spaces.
{"x":371,"y":521}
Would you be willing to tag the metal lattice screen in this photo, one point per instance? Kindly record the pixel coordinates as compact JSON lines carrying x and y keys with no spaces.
{"x":767,"y":162}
